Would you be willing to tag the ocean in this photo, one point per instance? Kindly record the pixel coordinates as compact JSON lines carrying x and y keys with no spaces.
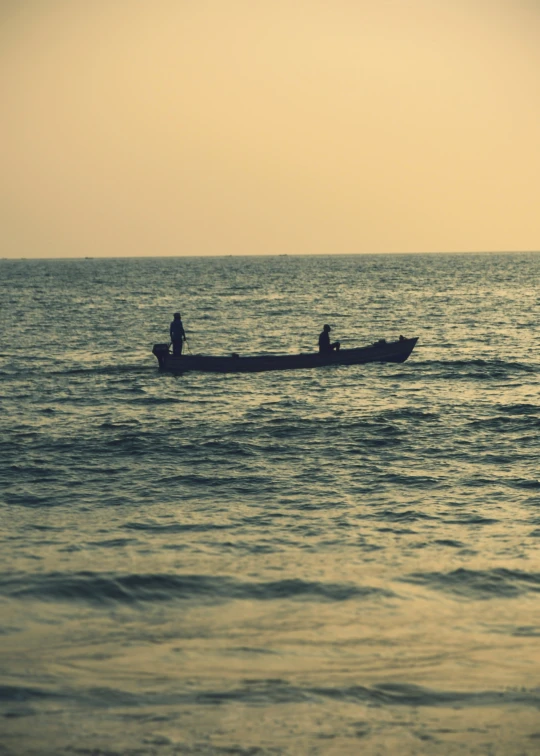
{"x":332,"y":561}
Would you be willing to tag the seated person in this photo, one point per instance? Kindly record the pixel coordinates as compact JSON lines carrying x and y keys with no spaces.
{"x":325,"y":347}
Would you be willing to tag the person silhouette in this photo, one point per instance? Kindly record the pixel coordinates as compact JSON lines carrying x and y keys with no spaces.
{"x":325,"y":346}
{"x":178,"y":335}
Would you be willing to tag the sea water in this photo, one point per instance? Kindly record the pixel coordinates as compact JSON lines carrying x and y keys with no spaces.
{"x":332,"y":561}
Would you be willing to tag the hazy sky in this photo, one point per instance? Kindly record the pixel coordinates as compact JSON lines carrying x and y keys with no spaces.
{"x":159,"y":127}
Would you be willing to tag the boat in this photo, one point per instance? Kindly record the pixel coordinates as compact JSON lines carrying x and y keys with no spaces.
{"x":381,"y":351}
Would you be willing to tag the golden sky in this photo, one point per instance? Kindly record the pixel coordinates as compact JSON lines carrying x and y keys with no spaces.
{"x":194,"y":127}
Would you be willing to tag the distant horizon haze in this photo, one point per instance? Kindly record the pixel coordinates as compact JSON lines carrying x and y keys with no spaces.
{"x":285,"y":127}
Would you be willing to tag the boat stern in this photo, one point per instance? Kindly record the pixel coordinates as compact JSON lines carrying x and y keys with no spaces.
{"x":162,"y":352}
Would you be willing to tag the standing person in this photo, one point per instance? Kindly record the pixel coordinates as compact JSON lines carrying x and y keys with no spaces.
{"x":178,"y":335}
{"x":325,"y":347}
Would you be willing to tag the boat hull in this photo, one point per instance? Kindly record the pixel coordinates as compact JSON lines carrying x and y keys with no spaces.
{"x":395,"y":351}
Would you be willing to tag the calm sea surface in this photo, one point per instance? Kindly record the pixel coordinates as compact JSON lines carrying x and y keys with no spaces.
{"x":334,"y":561}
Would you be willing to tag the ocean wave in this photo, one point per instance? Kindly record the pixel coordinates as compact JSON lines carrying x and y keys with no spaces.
{"x":276,"y":691}
{"x":416,"y":695}
{"x":57,"y":369}
{"x":390,"y":515}
{"x":407,"y":413}
{"x":492,"y":364}
{"x":101,"y":588}
{"x":474,"y":519}
{"x":28,"y":499}
{"x":22,"y":693}
{"x":519,"y":409}
{"x":133,"y":369}
{"x":479,"y":584}
{"x":507,"y":423}
{"x":176,"y":527}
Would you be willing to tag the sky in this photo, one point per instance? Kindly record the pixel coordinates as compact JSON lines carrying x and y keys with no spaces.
{"x":218,"y":127}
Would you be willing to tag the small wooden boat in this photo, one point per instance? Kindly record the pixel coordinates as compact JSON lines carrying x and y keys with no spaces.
{"x":381,"y":351}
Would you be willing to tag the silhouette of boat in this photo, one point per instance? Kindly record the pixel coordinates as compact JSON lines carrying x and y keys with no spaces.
{"x":381,"y":351}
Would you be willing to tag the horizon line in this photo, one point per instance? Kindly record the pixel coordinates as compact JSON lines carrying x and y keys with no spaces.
{"x":276,"y":254}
